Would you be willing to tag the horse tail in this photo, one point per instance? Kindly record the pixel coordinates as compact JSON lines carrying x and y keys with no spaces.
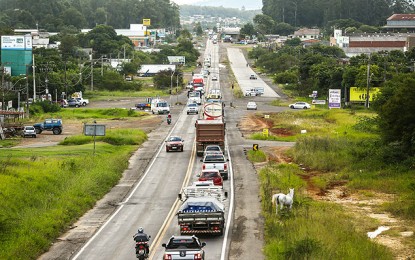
{"x":273,"y":199}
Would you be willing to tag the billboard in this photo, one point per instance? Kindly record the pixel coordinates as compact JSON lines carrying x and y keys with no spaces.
{"x":16,"y":42}
{"x":359,"y":94}
{"x":176,"y":59}
{"x":335,"y":98}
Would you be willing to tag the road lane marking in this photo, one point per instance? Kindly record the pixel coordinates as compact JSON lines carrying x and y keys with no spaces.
{"x":122,"y":204}
{"x":167,"y":222}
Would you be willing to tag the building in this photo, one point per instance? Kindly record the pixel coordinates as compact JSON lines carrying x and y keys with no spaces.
{"x":398,"y":22}
{"x":231,"y":33}
{"x":307,"y":34}
{"x":363,"y":43}
{"x":16,"y":53}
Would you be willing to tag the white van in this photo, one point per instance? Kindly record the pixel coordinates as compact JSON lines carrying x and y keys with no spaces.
{"x":195,"y":97}
{"x":159,"y":106}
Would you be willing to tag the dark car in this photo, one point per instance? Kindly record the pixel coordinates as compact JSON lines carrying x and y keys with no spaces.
{"x":211,"y":175}
{"x":174,"y":143}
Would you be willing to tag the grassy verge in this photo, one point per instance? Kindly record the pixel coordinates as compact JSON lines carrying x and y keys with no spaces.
{"x":113,"y":95}
{"x":257,"y":156}
{"x":311,"y":230}
{"x":44,"y":190}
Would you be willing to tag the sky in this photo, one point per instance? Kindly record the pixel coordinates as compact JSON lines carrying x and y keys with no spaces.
{"x":248,"y":4}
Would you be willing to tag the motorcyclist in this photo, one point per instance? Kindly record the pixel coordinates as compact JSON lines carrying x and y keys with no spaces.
{"x":169,"y":118}
{"x":140,"y":236}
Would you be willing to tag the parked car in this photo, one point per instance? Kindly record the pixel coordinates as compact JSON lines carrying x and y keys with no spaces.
{"x":74,"y":103}
{"x":253,"y":76}
{"x":211,"y":175}
{"x":192,"y":108}
{"x":184,"y":247}
{"x":54,"y":125}
{"x":29,"y":131}
{"x":174,"y":143}
{"x":251,"y":105}
{"x":300,"y":105}
{"x":210,"y":149}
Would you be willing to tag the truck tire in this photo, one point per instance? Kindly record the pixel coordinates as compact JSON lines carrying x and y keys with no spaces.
{"x":76,"y":105}
{"x":38,"y":131}
{"x":57,"y":131}
{"x":84,"y":104}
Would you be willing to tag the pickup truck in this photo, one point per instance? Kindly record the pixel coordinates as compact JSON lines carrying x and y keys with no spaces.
{"x":201,"y":215}
{"x":184,"y":247}
{"x":83,"y":101}
{"x":54,"y":125}
{"x":216,"y":161}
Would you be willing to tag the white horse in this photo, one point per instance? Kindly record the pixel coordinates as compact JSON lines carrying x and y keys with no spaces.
{"x":283,"y":200}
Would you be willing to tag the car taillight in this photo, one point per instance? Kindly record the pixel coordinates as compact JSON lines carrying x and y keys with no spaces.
{"x":168,"y":257}
{"x":198,"y":256}
{"x":203,"y":166}
{"x":225,"y":166}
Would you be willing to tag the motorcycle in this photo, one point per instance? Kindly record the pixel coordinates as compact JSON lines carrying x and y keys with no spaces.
{"x":141,"y":250}
{"x":168,"y":121}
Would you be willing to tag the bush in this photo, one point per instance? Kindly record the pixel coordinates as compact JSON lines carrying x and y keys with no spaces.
{"x":45,"y":106}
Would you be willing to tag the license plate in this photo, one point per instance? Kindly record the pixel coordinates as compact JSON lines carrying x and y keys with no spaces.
{"x":141,"y":252}
{"x":174,"y":148}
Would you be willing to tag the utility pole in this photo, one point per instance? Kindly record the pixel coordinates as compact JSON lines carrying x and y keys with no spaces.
{"x":34,"y":79}
{"x":27,"y":91}
{"x":2,"y":86}
{"x":92,"y":74}
{"x":367,"y":83}
{"x":66,"y":85}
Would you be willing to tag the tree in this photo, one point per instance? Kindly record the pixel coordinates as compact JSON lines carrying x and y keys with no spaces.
{"x":284,"y":29}
{"x":264,"y":23}
{"x":395,"y":108}
{"x":198,"y":29}
{"x":248,"y":30}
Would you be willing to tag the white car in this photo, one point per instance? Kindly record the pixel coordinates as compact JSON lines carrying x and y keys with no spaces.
{"x":214,"y":78}
{"x":29,"y":131}
{"x":251,"y":106}
{"x":250,"y":92}
{"x":192,"y":108}
{"x":300,"y":105}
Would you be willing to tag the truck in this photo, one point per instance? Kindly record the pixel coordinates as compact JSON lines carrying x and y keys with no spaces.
{"x":184,"y":247}
{"x":201,"y":215}
{"x":54,"y":125}
{"x":209,"y":132}
{"x":216,"y":161}
{"x":78,"y":96}
{"x":145,"y":105}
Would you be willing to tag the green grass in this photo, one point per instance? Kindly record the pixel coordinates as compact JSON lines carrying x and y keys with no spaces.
{"x":311,"y":230}
{"x":257,"y":156}
{"x":115,"y":95}
{"x":44,"y":190}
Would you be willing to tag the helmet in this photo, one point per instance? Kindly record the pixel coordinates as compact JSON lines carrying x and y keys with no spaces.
{"x":140,"y":230}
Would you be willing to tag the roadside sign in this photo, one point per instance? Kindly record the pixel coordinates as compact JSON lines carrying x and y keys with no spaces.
{"x":147,"y":22}
{"x":334,"y":98}
{"x":266,"y":116}
{"x":255,"y":147}
{"x":265,"y":132}
{"x":318,"y":102}
{"x":94,"y":130}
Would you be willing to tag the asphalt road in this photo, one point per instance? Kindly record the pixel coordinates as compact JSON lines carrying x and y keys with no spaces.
{"x":154,"y":179}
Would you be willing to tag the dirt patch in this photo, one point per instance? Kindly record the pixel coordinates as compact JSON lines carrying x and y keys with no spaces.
{"x":399,"y":235}
{"x":254,"y":123}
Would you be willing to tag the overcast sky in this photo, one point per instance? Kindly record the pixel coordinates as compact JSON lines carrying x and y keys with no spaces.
{"x":248,"y":4}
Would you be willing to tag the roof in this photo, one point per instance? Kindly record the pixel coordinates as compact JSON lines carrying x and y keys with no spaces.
{"x":155,"y":68}
{"x":402,"y":17}
{"x":306,"y":31}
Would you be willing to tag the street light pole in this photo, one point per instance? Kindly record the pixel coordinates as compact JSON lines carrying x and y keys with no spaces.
{"x":171,"y":85}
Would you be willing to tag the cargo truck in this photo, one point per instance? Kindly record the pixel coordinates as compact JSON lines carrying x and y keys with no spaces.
{"x":209,"y":132}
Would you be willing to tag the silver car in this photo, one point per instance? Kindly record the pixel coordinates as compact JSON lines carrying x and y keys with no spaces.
{"x":29,"y":131}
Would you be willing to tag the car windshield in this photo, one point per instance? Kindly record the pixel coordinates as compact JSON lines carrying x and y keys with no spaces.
{"x":212,"y":148}
{"x":192,"y":105}
{"x":214,"y":158}
{"x":174,"y":139}
{"x":209,"y":174}
{"x":162,"y":104}
{"x":29,"y":128}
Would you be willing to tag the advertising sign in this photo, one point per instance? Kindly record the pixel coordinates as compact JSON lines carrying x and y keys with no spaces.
{"x":176,"y":59}
{"x":318,"y":102}
{"x":16,"y":42}
{"x":334,"y":98}
{"x":147,"y":22}
{"x":359,"y":94}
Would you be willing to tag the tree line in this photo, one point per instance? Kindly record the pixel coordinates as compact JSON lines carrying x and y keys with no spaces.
{"x":72,"y":15}
{"x":318,"y":13}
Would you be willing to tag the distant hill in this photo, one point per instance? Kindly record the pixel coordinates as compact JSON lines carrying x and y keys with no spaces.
{"x":248,"y":4}
{"x":190,"y":10}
